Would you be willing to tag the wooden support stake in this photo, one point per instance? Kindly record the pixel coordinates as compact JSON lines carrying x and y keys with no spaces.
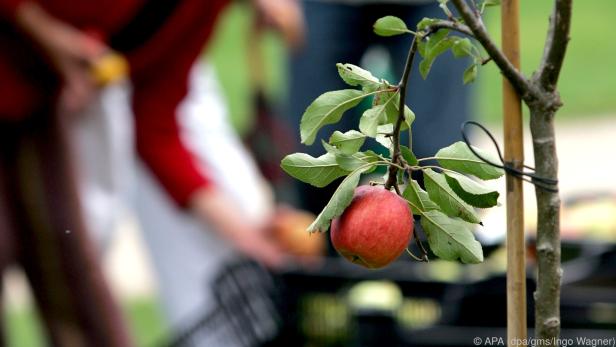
{"x":514,"y":155}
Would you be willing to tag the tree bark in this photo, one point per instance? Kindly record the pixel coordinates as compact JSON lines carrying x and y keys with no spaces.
{"x":549,"y":271}
{"x":547,"y":294}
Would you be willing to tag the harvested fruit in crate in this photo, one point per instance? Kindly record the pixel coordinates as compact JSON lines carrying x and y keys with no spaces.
{"x":289,"y":230}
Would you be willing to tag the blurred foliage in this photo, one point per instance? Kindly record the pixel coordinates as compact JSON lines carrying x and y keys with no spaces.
{"x":230,"y":52}
{"x":586,"y":86}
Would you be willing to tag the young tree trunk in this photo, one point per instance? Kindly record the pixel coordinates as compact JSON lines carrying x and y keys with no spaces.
{"x":547,"y":294}
{"x":541,"y":96}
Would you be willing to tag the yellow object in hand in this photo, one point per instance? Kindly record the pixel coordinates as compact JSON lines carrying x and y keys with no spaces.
{"x":109,"y":68}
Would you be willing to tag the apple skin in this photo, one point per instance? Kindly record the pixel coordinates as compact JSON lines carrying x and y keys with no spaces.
{"x":374,"y":229}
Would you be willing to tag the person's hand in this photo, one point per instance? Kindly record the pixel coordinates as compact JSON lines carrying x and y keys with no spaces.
{"x":284,"y":15}
{"x":70,"y":51}
{"x":214,"y":207}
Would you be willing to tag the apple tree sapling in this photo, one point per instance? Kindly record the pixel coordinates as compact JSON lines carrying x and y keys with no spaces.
{"x":372,"y":225}
{"x":446,"y":206}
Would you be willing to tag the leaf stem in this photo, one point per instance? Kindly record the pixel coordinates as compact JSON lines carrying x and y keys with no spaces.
{"x":392,"y":180}
{"x":421,"y":246}
{"x":413,"y":168}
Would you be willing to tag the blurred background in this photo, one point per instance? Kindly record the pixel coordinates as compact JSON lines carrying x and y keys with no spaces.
{"x":586,"y":130}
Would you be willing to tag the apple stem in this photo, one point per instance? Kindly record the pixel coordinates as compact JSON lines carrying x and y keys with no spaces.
{"x":424,"y":253}
{"x":414,"y":256}
{"x":392,"y":180}
{"x":421,"y":246}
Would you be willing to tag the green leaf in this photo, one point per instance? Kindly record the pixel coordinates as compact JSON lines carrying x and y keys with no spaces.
{"x":426,"y":22}
{"x":384,"y":103}
{"x":339,"y":201}
{"x":462,"y":47}
{"x":472,"y":192}
{"x":353,"y":161}
{"x":418,"y":198}
{"x":318,"y":172}
{"x":435,"y":47}
{"x":383,"y":139}
{"x":327,"y":109}
{"x":355,"y":76}
{"x":329,"y":148}
{"x":451,"y":238}
{"x":449,"y":202}
{"x":409,"y":117}
{"x":470,"y":74}
{"x":349,"y":142}
{"x":392,"y":111}
{"x":408,"y":155}
{"x":458,"y":157}
{"x":370,"y":120}
{"x":390,"y":26}
{"x":357,"y":160}
{"x":426,"y":44}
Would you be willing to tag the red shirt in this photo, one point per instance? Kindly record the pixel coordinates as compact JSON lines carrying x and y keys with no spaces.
{"x":159,"y":70}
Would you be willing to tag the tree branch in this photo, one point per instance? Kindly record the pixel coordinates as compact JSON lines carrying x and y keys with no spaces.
{"x":523,"y":86}
{"x":555,"y":45}
{"x":448,"y":24}
{"x":392,"y":180}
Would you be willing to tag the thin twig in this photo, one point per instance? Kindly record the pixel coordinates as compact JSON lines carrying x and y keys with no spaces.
{"x":486,"y":60}
{"x":523,"y":86}
{"x":392,"y":180}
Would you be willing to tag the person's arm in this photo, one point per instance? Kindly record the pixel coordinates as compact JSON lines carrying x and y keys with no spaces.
{"x":214,"y":207}
{"x":70,"y":51}
{"x":161,"y":148}
{"x":159,"y":86}
{"x":285,"y":16}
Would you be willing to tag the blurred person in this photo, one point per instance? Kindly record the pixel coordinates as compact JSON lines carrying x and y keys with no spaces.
{"x":46,"y":58}
{"x":50,"y":48}
{"x":340,"y":31}
{"x":201,"y":201}
{"x":188,"y":250}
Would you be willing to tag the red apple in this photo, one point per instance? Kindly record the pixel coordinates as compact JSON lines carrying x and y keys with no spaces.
{"x":374,"y":229}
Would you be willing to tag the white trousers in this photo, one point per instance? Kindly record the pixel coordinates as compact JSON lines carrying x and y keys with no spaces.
{"x":186,"y":254}
{"x":103,"y":143}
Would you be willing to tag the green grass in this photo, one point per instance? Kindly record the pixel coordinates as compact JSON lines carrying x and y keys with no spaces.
{"x":147,"y":322}
{"x":23,"y":329}
{"x":587,"y":86}
{"x":144,"y":316}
